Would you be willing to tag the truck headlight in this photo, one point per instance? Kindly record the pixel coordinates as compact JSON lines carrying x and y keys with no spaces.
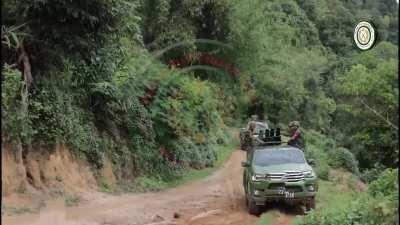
{"x":309,"y":174}
{"x":310,"y":188}
{"x":257,"y":177}
{"x":257,"y":192}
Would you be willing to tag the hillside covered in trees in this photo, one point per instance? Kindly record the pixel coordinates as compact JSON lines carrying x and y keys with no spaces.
{"x":153,"y":85}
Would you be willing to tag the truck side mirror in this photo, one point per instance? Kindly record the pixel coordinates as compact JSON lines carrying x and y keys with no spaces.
{"x":311,"y":162}
{"x":245,"y":164}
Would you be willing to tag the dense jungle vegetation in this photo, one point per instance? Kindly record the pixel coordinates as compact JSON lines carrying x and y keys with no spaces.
{"x":85,"y":73}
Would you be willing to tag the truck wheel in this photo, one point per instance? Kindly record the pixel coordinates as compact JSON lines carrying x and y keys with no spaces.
{"x":310,"y":204}
{"x":253,"y":208}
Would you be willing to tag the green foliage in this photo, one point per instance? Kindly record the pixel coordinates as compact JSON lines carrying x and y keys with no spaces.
{"x":386,"y":185}
{"x":365,"y":87}
{"x":318,"y":139}
{"x":105,"y":186}
{"x":328,"y":154}
{"x":378,"y":206}
{"x":320,"y":78}
{"x":343,"y":158}
{"x":365,"y":210}
{"x":93,"y":77}
{"x":11,"y":36}
{"x":16,"y":124}
{"x":285,"y":66}
{"x":356,"y":214}
{"x":47,"y":107}
{"x":90,"y":21}
{"x":181,"y":103}
{"x":318,"y":147}
{"x":71,"y":200}
{"x":369,"y":175}
{"x":143,"y":184}
{"x":321,"y":160}
{"x":13,"y":210}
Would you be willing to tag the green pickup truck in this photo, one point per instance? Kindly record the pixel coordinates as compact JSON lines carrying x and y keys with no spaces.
{"x":278,"y":173}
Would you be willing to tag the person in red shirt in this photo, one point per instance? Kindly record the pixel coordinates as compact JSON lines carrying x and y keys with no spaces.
{"x":296,"y":139}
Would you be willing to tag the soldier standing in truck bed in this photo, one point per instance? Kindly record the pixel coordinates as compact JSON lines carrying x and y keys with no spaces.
{"x":296,"y":139}
{"x":251,"y":125}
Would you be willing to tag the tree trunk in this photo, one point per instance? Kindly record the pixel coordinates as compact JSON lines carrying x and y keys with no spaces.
{"x":23,"y":61}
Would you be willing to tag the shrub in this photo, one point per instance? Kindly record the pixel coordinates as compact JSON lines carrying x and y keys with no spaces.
{"x":343,"y":158}
{"x":16,"y":122}
{"x":320,"y":140}
{"x":321,"y":160}
{"x":369,"y":175}
{"x":71,"y":200}
{"x":186,"y":119}
{"x":143,"y":184}
{"x":365,"y":210}
{"x":322,"y":171}
{"x":377,"y":206}
{"x":386,"y":185}
{"x":106,"y":186}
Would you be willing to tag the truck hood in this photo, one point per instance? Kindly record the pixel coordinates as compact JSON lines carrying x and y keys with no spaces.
{"x":296,"y":167}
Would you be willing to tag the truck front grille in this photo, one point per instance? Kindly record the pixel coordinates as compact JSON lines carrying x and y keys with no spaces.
{"x":289,"y":176}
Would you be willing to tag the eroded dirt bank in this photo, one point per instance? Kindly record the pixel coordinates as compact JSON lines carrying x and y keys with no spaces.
{"x":44,"y":171}
{"x":215,"y":200}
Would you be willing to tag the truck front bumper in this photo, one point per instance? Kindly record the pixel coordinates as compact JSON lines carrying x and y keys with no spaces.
{"x":291,"y":192}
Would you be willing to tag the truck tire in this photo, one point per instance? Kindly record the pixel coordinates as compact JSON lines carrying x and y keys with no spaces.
{"x":310,"y":204}
{"x":253,"y":208}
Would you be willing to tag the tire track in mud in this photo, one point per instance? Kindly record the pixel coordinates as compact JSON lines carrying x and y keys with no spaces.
{"x":216,"y":200}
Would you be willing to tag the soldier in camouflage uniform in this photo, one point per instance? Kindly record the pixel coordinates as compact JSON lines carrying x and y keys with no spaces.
{"x":296,"y":139}
{"x":251,"y":125}
{"x":251,"y":128}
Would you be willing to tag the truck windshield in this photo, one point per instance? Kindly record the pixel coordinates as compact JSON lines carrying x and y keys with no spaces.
{"x":276,"y":157}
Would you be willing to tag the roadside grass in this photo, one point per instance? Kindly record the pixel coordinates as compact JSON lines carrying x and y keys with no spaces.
{"x":105,"y":186}
{"x":14,"y":210}
{"x":71,"y":200}
{"x":145,"y":184}
{"x":332,"y":199}
{"x":329,"y":198}
{"x":223,"y":153}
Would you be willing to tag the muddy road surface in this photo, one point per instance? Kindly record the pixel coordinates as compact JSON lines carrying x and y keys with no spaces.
{"x":215,"y":200}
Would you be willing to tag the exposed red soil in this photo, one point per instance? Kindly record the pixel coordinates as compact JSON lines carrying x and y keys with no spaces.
{"x":215,"y":200}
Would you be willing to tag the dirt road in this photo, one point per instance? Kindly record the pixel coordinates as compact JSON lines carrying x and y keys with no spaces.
{"x":215,"y":200}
